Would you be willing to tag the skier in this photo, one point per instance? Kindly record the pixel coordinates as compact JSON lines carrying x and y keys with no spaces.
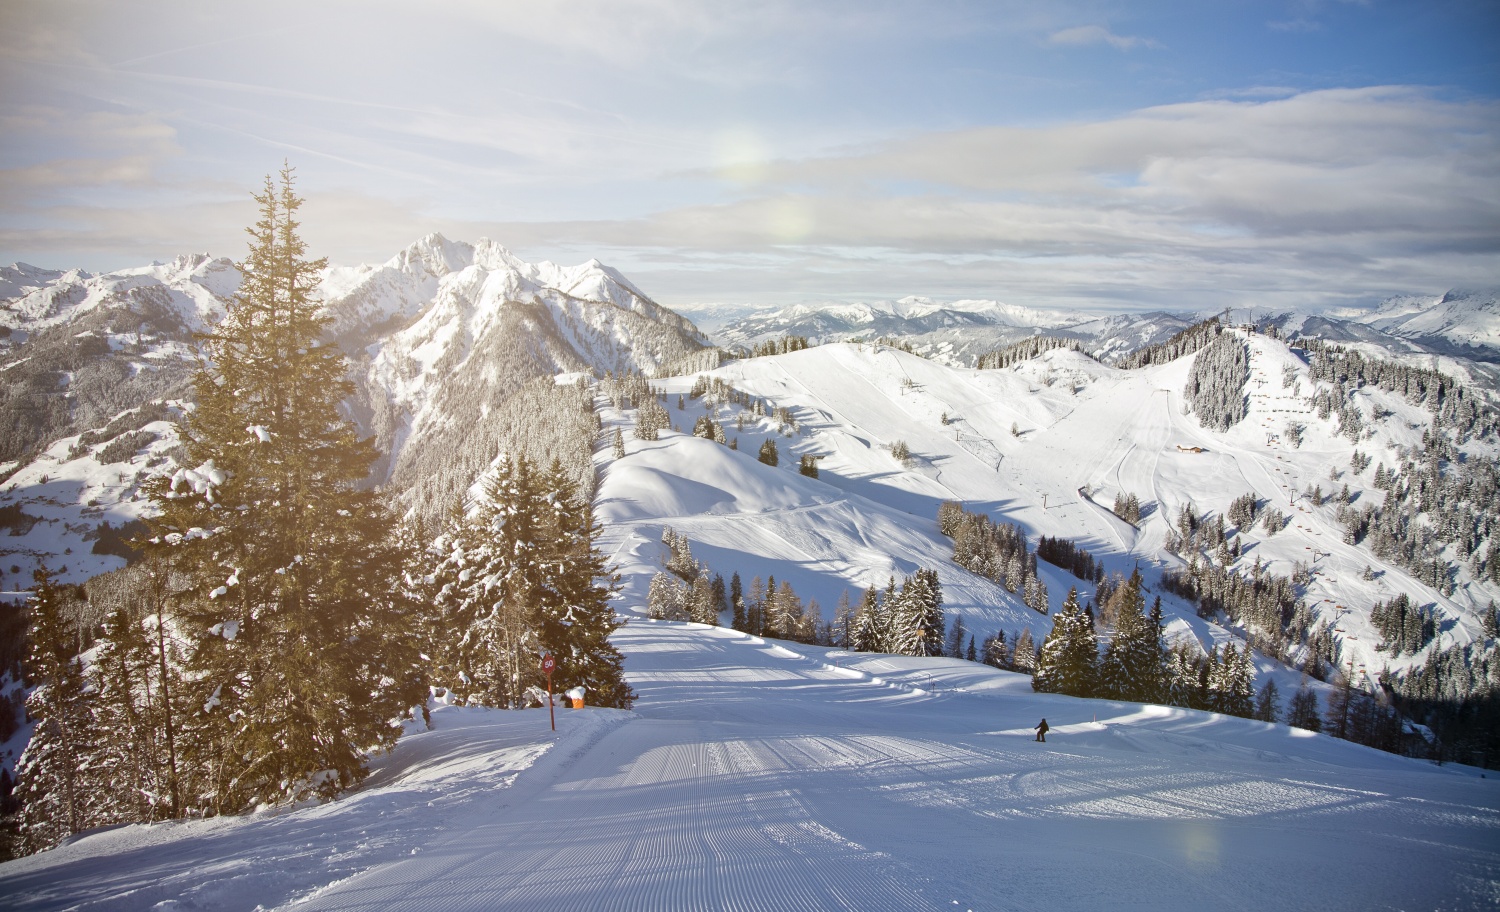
{"x":1041,"y":731}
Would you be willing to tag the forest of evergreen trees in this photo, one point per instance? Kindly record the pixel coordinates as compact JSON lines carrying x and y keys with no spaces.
{"x":996,"y":552}
{"x":68,"y":379}
{"x":904,"y":619}
{"x":1060,"y":552}
{"x":1192,"y":339}
{"x":1024,"y":350}
{"x":1215,"y":388}
{"x":782,"y":346}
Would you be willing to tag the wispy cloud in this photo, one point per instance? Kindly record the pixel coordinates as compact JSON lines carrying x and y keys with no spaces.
{"x":1083,"y":35}
{"x":1323,"y":193}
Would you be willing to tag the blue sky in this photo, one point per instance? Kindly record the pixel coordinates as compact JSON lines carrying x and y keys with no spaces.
{"x":1103,"y":155}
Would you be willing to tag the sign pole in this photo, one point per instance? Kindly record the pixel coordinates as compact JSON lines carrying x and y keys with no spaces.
{"x":548,"y":663}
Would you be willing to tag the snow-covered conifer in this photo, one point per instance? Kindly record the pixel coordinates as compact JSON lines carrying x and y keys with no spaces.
{"x":768,"y":454}
{"x":1070,"y":653}
{"x":1132,"y":667}
{"x":58,"y":790}
{"x":292,"y":604}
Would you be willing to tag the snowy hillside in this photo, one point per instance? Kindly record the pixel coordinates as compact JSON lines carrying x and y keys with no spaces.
{"x":1047,"y":446}
{"x":762,"y":776}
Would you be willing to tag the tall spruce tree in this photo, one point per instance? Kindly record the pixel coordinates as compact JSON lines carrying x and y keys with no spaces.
{"x":518,"y":577}
{"x":737,"y":601}
{"x":1233,"y":682}
{"x":58,"y":784}
{"x":1302,"y":712}
{"x":865,"y":637}
{"x":575,"y":611}
{"x":1070,"y":653}
{"x":291,"y":605}
{"x":916,"y":616}
{"x":1133,"y":667}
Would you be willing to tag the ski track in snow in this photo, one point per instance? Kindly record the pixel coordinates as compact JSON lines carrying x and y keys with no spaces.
{"x":756,"y":775}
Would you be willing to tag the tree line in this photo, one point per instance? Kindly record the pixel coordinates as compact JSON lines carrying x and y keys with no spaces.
{"x":1024,"y":350}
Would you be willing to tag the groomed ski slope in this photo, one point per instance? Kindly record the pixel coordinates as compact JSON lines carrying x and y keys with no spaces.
{"x":758,"y":776}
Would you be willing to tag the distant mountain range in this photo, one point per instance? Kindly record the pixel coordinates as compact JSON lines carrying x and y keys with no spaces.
{"x":1460,"y":324}
{"x":441,"y":338}
{"x":444,"y":334}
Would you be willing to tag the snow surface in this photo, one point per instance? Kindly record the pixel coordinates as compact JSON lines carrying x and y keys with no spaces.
{"x":758,"y":775}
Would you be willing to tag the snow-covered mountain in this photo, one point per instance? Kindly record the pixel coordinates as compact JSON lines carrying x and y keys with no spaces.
{"x":445,"y":330}
{"x":439,"y":336}
{"x":1464,"y":320}
{"x":957,"y":330}
{"x":955,"y":333}
{"x":1463,"y":324}
{"x":195,"y":287}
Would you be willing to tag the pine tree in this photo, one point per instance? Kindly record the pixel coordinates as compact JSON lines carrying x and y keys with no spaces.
{"x":916,"y":616}
{"x":971,"y":654}
{"x":1068,"y":663}
{"x":619,"y":444}
{"x":866,"y":634}
{"x":1232,"y":682}
{"x":719,"y":596}
{"x":57,"y":785}
{"x":996,"y":651}
{"x":768,"y":454}
{"x":576,"y":618}
{"x":737,"y":600}
{"x":296,"y":632}
{"x":955,"y":644}
{"x":1302,"y":712}
{"x":665,"y":598}
{"x":1024,"y":659}
{"x":1135,"y":666}
{"x":1268,"y":703}
{"x":126,"y":757}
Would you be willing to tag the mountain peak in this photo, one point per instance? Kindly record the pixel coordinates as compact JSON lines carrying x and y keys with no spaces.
{"x":435,"y":254}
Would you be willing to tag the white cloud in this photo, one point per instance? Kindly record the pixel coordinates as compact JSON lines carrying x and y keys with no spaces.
{"x":1321,"y":195}
{"x":1084,"y":35}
